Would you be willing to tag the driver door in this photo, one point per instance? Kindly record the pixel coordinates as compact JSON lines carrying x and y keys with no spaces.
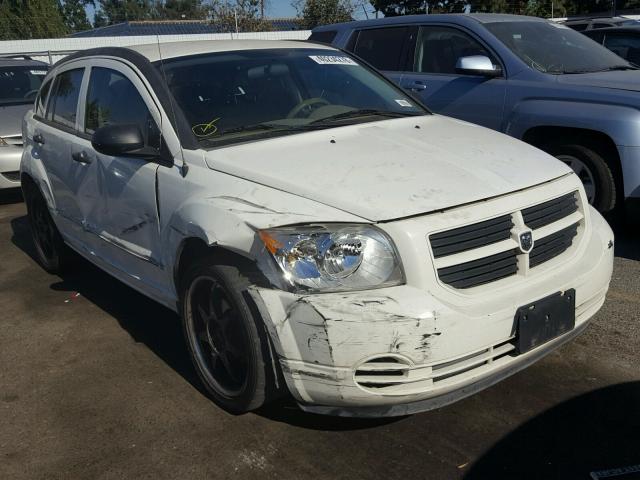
{"x":433,"y":78}
{"x":126,"y":221}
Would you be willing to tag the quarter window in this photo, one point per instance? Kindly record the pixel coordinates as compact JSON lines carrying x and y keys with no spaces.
{"x":439,"y":48}
{"x":326,"y":36}
{"x":112,"y":99}
{"x":382,"y":47}
{"x":63,"y":101}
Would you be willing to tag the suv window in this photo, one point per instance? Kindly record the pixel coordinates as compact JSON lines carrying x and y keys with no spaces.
{"x":626,"y":46}
{"x":439,"y":48}
{"x":324,"y":37}
{"x":112,"y":99}
{"x":42,"y":98}
{"x":63,"y":101}
{"x":381,"y":47}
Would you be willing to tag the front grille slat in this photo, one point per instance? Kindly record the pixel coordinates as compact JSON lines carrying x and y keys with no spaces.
{"x":471,"y":236}
{"x":478,"y":270}
{"x":552,"y":246}
{"x":551,"y":211}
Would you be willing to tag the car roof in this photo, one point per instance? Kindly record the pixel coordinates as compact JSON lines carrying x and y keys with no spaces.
{"x":8,"y":61}
{"x":182,"y":49}
{"x":461,"y":18}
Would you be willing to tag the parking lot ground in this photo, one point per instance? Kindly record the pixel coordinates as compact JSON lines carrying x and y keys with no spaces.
{"x":95,"y":383}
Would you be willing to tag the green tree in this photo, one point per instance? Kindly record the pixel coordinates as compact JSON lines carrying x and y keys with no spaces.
{"x":26,"y":19}
{"x":226,"y":14}
{"x":118,"y":11}
{"x":75,"y":15}
{"x":100,"y":19}
{"x":322,"y":12}
{"x":181,"y":9}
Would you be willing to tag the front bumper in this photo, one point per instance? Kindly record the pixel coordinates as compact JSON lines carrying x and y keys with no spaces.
{"x":10,"y":166}
{"x":449,"y":345}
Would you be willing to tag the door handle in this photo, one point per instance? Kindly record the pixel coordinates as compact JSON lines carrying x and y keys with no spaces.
{"x":38,"y":138}
{"x":416,"y":86}
{"x":81,"y":157}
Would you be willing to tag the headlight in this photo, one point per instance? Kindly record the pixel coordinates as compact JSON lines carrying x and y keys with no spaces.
{"x":334,"y":257}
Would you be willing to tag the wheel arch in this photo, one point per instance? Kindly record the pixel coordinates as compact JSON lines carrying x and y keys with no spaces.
{"x":544,"y":135}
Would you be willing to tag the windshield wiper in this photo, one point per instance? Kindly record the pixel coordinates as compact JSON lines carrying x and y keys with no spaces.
{"x":608,"y":69}
{"x":250,"y":128}
{"x":364,"y":113}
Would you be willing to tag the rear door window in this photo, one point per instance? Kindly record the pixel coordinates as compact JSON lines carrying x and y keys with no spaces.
{"x":42,"y":98}
{"x":626,"y":46}
{"x":382,"y":47}
{"x":63,"y":101}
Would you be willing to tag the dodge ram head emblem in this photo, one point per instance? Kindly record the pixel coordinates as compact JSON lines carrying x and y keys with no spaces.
{"x":526,"y":241}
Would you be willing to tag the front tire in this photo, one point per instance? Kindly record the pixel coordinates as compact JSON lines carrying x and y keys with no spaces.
{"x":594,"y":172}
{"x":227,"y":343}
{"x":51,"y":252}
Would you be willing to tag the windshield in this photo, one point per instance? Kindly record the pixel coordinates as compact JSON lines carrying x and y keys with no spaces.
{"x":240,"y":96}
{"x":19,"y":85}
{"x":554,"y":48}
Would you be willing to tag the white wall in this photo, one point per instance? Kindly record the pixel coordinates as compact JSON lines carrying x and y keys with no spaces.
{"x":53,"y":49}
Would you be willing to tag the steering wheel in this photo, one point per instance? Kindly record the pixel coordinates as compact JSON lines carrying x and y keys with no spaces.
{"x":308,"y":103}
{"x":30,"y":94}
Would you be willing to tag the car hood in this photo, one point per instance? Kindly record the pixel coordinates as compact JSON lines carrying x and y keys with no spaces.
{"x":618,"y":80}
{"x":11,"y":119}
{"x":393,"y":168}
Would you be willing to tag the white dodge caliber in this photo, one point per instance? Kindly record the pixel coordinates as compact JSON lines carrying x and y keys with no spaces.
{"x":318,"y":231}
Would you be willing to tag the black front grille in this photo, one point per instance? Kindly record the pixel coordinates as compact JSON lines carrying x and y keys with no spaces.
{"x":553,"y":245}
{"x":472,"y":236}
{"x":551,"y":211}
{"x":484,"y":270}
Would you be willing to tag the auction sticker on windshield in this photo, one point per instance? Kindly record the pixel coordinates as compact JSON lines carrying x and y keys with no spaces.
{"x":332,"y":60}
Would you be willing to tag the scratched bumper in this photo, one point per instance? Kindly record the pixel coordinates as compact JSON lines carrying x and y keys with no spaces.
{"x":447,"y":350}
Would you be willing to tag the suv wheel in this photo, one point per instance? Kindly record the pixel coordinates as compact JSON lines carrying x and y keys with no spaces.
{"x":593,"y":171}
{"x":51,"y":251}
{"x":228,"y":344}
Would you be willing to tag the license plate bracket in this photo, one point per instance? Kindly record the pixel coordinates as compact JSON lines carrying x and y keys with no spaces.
{"x":544,"y":320}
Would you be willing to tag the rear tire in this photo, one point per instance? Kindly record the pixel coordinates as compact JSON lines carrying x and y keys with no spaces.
{"x":593,"y":171}
{"x":227,"y":341}
{"x":51,"y":252}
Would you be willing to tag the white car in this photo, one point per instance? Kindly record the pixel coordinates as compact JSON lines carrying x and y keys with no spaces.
{"x":318,"y":230}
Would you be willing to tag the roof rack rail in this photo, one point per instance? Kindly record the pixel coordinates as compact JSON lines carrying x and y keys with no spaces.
{"x":16,"y":55}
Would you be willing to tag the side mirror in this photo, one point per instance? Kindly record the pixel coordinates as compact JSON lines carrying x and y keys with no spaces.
{"x":477,"y":65}
{"x":118,"y":140}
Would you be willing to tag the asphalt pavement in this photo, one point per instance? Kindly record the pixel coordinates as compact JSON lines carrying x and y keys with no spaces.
{"x":95,"y":383}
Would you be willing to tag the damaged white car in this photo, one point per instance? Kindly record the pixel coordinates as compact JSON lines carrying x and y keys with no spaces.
{"x":319,"y":232}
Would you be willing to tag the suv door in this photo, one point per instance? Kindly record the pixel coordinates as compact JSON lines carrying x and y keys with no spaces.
{"x":433,"y":77}
{"x":53,"y":136}
{"x":385,"y":48}
{"x":126,"y":222}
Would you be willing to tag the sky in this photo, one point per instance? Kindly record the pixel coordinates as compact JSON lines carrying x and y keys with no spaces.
{"x":283,"y":8}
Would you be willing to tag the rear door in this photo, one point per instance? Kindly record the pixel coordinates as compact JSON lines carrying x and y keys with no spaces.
{"x":433,"y":77}
{"x":53,"y":136}
{"x":126,"y":220}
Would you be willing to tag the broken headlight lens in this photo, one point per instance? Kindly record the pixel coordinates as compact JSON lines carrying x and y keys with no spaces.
{"x":334,"y":257}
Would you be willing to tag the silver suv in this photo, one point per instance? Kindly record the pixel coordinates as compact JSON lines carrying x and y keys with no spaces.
{"x":20,"y":80}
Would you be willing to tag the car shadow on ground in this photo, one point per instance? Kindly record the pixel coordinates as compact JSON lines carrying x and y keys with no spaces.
{"x":596,"y":431}
{"x":160,"y":330}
